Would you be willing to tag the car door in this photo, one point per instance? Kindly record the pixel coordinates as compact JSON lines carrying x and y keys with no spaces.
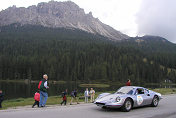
{"x":149,"y":97}
{"x":141,"y":97}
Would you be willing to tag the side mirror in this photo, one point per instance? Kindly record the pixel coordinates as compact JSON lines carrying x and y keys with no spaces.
{"x":148,"y":94}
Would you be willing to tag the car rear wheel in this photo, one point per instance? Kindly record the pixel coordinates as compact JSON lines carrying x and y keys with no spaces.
{"x":127,"y":105}
{"x":155,"y":101}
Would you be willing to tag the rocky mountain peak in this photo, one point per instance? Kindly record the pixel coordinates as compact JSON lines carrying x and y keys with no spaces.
{"x":58,"y":14}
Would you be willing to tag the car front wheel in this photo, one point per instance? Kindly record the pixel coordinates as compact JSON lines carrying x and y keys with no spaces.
{"x":104,"y":107}
{"x":127,"y":105}
{"x":155,"y":101}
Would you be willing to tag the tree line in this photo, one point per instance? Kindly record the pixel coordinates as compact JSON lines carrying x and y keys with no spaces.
{"x":27,"y":52}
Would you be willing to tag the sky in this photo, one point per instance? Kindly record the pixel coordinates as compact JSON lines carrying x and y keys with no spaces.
{"x":131,"y":17}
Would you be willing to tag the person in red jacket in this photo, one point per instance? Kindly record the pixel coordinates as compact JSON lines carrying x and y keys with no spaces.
{"x":128,"y":83}
{"x":36,"y":98}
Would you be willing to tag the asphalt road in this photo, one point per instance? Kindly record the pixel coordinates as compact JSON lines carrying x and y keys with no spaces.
{"x":166,"y":109}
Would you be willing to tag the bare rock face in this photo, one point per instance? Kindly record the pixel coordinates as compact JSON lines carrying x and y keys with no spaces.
{"x":58,"y":14}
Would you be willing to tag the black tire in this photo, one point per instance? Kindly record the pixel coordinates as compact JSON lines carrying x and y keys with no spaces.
{"x":104,"y":107}
{"x":155,"y":101}
{"x":127,"y":105}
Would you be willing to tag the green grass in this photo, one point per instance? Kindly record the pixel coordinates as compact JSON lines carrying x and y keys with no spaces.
{"x":162,"y":84}
{"x":165,"y":91}
{"x":17,"y":102}
{"x":54,"y":100}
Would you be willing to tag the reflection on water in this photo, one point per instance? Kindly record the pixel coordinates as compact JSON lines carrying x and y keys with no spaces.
{"x":22,"y":90}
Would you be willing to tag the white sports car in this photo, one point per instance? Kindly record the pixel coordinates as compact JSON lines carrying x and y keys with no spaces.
{"x":128,"y":97}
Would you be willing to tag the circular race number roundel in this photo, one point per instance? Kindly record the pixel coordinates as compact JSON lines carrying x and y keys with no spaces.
{"x":139,"y":100}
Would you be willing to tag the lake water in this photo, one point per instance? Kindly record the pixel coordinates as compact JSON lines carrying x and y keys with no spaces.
{"x":23,"y":90}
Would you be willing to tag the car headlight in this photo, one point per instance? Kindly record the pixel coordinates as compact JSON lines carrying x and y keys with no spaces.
{"x":118,"y":99}
{"x":100,"y":96}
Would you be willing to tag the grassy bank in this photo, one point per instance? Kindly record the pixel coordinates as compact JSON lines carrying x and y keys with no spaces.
{"x":52,"y":100}
{"x":56,"y":100}
{"x":165,"y":91}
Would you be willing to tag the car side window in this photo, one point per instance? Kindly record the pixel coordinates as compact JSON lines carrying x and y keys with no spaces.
{"x":130,"y":92}
{"x":139,"y":91}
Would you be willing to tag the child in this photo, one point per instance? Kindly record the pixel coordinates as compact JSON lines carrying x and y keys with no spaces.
{"x":36,"y":98}
{"x":64,"y":97}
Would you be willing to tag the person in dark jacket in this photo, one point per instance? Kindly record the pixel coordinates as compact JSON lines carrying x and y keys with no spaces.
{"x":74,"y":96}
{"x":1,"y":98}
{"x":64,"y":97}
{"x":43,"y":91}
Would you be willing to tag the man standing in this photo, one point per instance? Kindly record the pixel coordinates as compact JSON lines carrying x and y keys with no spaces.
{"x":86,"y":95}
{"x":43,"y":91}
{"x":92,"y":94}
{"x":1,"y":98}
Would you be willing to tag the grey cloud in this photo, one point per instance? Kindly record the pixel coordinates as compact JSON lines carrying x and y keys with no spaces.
{"x":157,"y":17}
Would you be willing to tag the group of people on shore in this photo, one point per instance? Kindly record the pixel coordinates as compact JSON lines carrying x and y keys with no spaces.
{"x":74,"y":96}
{"x":90,"y":94}
{"x":41,"y":95}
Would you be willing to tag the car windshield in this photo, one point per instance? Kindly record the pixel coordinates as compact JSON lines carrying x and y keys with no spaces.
{"x":125,"y":90}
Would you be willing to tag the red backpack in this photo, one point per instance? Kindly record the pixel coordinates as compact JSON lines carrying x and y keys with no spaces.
{"x":37,"y":96}
{"x":39,"y":84}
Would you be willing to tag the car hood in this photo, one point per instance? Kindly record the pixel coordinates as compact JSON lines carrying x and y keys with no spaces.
{"x":109,"y":97}
{"x":159,"y":94}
